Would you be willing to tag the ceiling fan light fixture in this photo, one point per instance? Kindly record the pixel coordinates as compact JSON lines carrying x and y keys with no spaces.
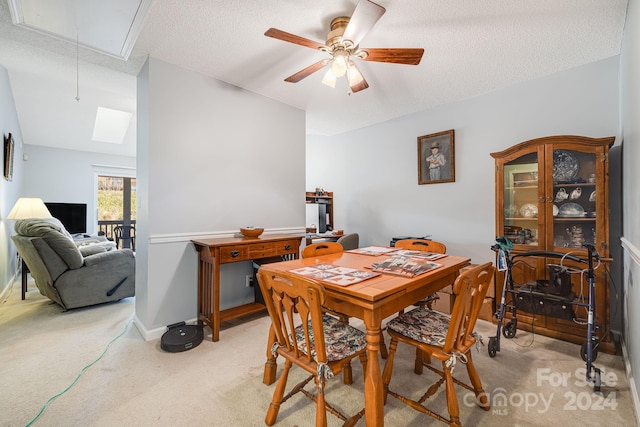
{"x":329,"y":78}
{"x":354,"y":75}
{"x":339,"y":65}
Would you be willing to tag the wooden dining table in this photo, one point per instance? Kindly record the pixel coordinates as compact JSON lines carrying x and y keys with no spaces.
{"x":372,"y":301}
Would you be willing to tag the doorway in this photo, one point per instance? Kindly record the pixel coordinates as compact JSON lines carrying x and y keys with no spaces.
{"x":117,"y":209}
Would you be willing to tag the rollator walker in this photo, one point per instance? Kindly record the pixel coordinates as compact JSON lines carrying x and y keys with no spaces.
{"x":549,"y":297}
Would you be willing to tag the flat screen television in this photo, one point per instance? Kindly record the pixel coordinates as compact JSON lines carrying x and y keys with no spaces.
{"x":72,"y":215}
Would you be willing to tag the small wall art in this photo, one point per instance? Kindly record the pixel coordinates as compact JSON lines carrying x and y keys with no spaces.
{"x":436,"y":159}
{"x":8,"y":157}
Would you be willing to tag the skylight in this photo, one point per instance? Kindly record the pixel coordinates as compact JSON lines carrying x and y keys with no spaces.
{"x":111,"y":125}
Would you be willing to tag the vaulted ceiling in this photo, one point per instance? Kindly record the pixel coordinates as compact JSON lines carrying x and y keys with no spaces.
{"x":471,"y":47}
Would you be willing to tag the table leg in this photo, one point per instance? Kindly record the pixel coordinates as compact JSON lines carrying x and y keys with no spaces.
{"x":373,"y":389}
{"x":270,"y":367}
{"x":25,"y":271}
{"x":215,"y":327}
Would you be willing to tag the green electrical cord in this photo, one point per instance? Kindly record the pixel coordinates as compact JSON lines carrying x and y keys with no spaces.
{"x":51,"y":399}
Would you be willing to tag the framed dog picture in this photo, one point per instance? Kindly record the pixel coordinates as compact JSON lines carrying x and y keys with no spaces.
{"x":8,"y":158}
{"x":436,"y":159}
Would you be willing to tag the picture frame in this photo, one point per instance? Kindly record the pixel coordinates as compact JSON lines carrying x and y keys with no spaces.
{"x":8,"y":157}
{"x":438,"y":165}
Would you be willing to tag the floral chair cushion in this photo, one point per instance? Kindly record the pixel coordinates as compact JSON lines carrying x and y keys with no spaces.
{"x":341,"y":339}
{"x":423,"y":325}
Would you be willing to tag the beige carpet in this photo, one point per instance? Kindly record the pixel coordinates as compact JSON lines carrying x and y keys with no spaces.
{"x":534,"y":380}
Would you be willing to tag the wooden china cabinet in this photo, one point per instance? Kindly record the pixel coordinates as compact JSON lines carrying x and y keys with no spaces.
{"x":551,"y":195}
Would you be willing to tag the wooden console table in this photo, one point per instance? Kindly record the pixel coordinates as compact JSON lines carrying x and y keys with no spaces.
{"x":213,"y":252}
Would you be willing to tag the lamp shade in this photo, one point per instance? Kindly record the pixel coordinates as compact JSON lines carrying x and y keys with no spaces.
{"x":29,"y":207}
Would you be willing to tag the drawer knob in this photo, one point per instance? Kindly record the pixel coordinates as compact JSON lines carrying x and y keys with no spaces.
{"x":234,"y":254}
{"x":287,"y":247}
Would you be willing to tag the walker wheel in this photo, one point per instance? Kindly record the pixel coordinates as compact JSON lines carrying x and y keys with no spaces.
{"x":509,"y":330}
{"x":493,"y":346}
{"x":597,"y":381}
{"x":594,"y":351}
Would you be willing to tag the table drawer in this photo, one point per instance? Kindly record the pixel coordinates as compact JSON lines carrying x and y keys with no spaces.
{"x":258,"y":250}
{"x":263,"y":250}
{"x":234,"y":253}
{"x":288,"y":247}
{"x":266,"y":250}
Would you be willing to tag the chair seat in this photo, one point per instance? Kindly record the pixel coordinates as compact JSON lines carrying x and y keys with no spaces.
{"x":341,"y":339}
{"x":423,"y":325}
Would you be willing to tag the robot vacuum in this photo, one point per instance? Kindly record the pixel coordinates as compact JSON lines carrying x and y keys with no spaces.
{"x":181,"y":337}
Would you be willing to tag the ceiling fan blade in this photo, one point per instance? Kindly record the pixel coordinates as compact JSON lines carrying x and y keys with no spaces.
{"x":409,"y":56}
{"x":295,"y":78}
{"x":364,"y":17}
{"x":292,"y":38}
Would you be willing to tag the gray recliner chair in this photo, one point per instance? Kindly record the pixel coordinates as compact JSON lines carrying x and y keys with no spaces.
{"x":349,"y":241}
{"x":74,"y":273}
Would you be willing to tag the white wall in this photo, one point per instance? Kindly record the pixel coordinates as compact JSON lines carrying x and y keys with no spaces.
{"x":9,"y":190}
{"x":216,"y":158}
{"x":630,"y":94}
{"x":69,"y":176}
{"x":373,"y":171}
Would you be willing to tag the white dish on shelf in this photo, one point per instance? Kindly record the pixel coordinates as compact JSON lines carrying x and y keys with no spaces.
{"x":529,"y":210}
{"x":556,"y":210}
{"x":571,"y":210}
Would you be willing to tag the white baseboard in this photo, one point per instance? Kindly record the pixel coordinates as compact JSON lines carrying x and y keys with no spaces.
{"x":634,"y":254}
{"x":5,"y":292}
{"x":632,"y":384}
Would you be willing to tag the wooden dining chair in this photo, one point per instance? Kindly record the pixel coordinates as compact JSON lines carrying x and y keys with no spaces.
{"x":325,"y":248}
{"x":423,"y":245}
{"x":322,"y":248}
{"x":448,"y":339}
{"x":316,"y":342}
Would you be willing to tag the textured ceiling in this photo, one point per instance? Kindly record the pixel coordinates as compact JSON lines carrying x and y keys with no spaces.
{"x":471,"y":47}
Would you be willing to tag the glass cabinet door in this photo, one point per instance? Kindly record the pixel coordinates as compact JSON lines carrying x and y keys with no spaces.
{"x":574,"y":199}
{"x":521,"y":198}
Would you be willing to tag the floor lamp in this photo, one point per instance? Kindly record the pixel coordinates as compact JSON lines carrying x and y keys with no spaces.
{"x":28,"y":207}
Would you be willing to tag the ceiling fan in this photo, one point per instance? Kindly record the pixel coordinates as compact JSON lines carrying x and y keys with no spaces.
{"x":343,"y":45}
